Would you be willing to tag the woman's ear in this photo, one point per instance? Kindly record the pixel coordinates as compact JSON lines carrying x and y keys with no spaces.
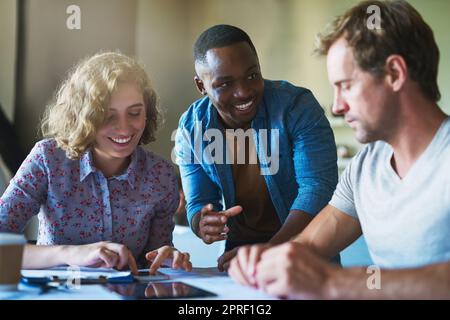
{"x":396,"y":72}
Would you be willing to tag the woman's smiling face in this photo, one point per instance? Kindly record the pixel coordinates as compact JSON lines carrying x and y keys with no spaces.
{"x":124,"y":124}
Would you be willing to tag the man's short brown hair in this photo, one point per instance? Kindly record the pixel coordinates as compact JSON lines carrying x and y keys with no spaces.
{"x":403,"y":31}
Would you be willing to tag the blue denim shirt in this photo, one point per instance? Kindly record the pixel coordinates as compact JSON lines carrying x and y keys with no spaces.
{"x":307,"y":172}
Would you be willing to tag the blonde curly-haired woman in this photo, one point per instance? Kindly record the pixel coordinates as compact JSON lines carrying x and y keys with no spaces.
{"x":104,"y":200}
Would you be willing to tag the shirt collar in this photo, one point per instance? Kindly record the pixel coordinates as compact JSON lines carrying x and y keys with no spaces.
{"x":130,"y":174}
{"x":87,"y":167}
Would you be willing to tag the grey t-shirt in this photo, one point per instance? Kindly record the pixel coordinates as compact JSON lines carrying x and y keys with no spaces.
{"x":406,"y":222}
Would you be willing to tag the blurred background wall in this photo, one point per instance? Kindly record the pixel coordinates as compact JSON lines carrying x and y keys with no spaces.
{"x":8,"y":50}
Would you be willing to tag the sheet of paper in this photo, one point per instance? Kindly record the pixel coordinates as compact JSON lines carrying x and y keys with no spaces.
{"x":90,"y":273}
{"x":75,"y":272}
{"x":211,"y":279}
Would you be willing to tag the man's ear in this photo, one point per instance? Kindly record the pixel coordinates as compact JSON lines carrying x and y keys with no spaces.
{"x":396,"y":72}
{"x":200,"y":85}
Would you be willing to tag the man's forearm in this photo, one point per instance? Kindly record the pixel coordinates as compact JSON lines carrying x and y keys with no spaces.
{"x":294,"y":225}
{"x":429,"y":282}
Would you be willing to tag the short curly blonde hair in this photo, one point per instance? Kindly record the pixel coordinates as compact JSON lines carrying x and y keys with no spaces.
{"x":81,"y":103}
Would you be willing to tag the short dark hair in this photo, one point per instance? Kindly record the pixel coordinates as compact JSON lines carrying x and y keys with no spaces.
{"x":403,"y":32}
{"x":219,"y":36}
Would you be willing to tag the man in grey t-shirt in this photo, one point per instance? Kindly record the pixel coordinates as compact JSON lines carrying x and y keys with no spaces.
{"x":396,"y":191}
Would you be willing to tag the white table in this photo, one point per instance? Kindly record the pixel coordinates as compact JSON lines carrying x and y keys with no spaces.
{"x":209,"y":279}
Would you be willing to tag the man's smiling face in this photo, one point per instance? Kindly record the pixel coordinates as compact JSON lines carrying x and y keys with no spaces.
{"x":231,"y":78}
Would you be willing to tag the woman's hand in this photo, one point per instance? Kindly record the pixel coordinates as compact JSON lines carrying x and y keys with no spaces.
{"x":104,"y":254}
{"x":157,"y":257}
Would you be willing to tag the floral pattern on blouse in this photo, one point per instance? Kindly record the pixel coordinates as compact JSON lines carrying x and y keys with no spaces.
{"x":76,"y":204}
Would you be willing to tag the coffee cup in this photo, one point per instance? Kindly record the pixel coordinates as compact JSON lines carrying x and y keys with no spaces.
{"x":11,"y":253}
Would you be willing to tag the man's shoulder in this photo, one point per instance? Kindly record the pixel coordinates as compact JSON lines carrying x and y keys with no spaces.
{"x":282,"y":97}
{"x":372,"y":154}
{"x":445,"y":133}
{"x":282,"y":89}
{"x":199,"y":111}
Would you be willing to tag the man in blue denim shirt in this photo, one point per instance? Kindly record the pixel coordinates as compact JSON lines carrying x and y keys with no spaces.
{"x":293,"y":173}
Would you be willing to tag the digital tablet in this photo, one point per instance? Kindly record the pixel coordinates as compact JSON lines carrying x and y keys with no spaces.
{"x":158,"y":290}
{"x":144,"y":276}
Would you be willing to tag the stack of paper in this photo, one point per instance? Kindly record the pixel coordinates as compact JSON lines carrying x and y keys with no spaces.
{"x":86,"y":273}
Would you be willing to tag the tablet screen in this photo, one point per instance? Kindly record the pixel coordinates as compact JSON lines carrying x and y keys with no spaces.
{"x":158,"y":290}
{"x":144,"y":276}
